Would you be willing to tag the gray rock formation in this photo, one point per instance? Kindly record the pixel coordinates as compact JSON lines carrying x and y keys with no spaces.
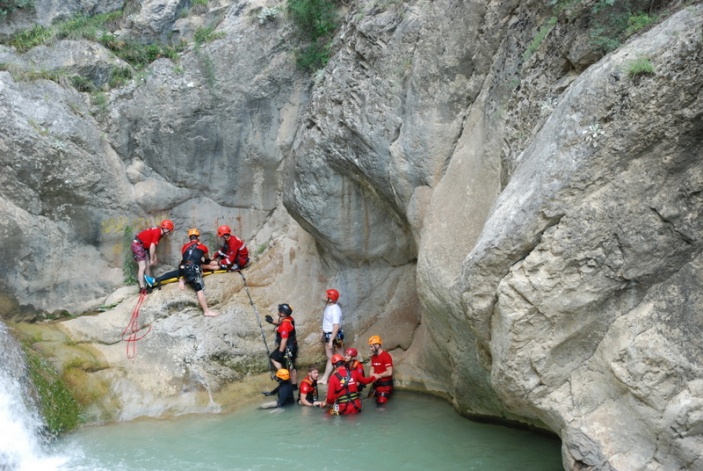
{"x":518,"y":219}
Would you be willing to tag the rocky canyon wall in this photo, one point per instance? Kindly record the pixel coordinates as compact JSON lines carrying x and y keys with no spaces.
{"x":518,"y":219}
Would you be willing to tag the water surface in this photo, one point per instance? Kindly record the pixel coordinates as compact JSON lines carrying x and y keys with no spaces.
{"x":413,"y":432}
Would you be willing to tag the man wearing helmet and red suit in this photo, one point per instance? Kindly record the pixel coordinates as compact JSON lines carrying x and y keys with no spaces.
{"x":352,"y":364}
{"x":382,"y":370}
{"x":144,"y":249}
{"x":233,"y":255}
{"x":343,"y":389}
{"x":332,"y":335}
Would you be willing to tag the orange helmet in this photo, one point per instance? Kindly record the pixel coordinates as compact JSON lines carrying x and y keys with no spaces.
{"x":332,"y":294}
{"x":351,"y":352}
{"x":375,"y":339}
{"x":167,"y":224}
{"x":223,"y":230}
{"x":283,"y":374}
{"x":337,"y":358}
{"x":193,"y":232}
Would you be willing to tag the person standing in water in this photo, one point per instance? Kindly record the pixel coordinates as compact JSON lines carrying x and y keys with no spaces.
{"x":352,"y":364}
{"x":382,"y":370}
{"x":307,"y":394}
{"x":343,"y":390}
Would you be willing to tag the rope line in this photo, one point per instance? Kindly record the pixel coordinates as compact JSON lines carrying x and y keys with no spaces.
{"x":258,"y":319}
{"x":133,"y":328}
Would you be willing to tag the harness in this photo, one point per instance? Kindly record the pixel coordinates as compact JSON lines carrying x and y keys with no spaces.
{"x":188,"y":254}
{"x":387,"y":382}
{"x":291,"y":346}
{"x":291,"y":335}
{"x":349,"y":396}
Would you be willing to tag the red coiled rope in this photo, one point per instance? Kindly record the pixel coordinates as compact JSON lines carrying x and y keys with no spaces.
{"x":133,"y":328}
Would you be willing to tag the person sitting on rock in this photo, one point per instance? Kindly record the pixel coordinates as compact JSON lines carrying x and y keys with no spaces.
{"x":233,"y":255}
{"x":189,"y":270}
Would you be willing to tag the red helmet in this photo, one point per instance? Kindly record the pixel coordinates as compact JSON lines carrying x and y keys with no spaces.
{"x":337,"y":358}
{"x":351,"y":351}
{"x":223,"y":230}
{"x":332,"y":294}
{"x":167,"y":224}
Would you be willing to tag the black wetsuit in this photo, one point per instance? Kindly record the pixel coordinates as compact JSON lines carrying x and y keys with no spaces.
{"x":285,"y":394}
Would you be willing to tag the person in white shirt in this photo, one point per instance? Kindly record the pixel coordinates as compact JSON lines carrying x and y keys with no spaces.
{"x":332,"y":334}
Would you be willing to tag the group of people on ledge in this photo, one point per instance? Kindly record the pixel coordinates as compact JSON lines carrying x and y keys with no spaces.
{"x":195,"y":258}
{"x":344,"y":375}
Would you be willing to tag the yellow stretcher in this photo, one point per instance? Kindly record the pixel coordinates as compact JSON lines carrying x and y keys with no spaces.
{"x":205,"y":273}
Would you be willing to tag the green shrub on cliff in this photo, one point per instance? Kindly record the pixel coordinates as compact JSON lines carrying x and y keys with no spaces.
{"x":639,"y":67}
{"x":613,"y":21}
{"x":8,"y":6}
{"x":129,"y":266}
{"x":97,"y":28}
{"x":316,"y":22}
{"x":58,"y":407}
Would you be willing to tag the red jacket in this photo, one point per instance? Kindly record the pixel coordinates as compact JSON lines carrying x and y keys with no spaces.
{"x":233,"y":252}
{"x":343,"y":391}
{"x":150,"y":236}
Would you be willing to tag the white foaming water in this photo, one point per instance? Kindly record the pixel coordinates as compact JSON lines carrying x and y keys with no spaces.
{"x":20,"y":425}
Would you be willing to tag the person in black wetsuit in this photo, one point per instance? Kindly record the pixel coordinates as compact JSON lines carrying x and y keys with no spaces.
{"x":190,"y":270}
{"x":284,"y":390}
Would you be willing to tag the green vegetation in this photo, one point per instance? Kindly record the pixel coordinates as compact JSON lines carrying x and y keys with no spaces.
{"x":98,"y":28}
{"x":58,"y":406}
{"x":206,"y":34}
{"x":539,"y":38}
{"x":8,"y":6}
{"x":640,"y":66}
{"x":267,"y":14}
{"x":613,"y":21}
{"x":199,"y":6}
{"x":129,"y":267}
{"x":316,"y":22}
{"x":638,"y":22}
{"x":86,"y":390}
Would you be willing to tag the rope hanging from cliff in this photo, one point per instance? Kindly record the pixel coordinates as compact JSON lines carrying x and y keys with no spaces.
{"x":258,"y":319}
{"x":133,"y":328}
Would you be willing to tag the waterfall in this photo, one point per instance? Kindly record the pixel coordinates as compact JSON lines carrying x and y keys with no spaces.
{"x":22,"y":444}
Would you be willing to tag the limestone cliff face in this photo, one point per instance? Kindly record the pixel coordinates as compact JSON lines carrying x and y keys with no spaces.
{"x":522,"y":229}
